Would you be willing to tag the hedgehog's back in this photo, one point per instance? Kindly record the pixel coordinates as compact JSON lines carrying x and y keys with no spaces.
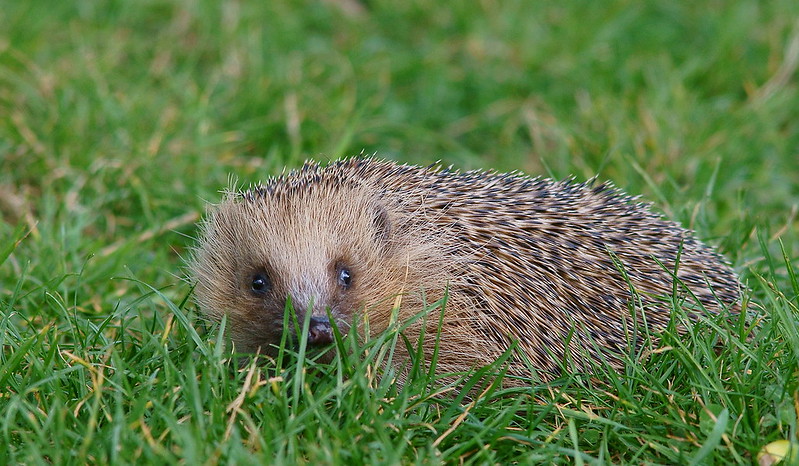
{"x":547,"y":261}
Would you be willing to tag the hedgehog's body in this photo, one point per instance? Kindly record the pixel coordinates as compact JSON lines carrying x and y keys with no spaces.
{"x":528,"y":260}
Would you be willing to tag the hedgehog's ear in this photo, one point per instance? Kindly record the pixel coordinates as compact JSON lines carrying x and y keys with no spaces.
{"x":382,"y":223}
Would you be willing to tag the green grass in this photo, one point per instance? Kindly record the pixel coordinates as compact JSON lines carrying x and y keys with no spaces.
{"x":118,"y":119}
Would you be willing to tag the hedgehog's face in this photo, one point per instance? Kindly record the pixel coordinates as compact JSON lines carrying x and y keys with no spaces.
{"x":258,"y":255}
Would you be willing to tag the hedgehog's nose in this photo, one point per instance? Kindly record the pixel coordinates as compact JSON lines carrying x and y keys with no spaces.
{"x":320,"y":332}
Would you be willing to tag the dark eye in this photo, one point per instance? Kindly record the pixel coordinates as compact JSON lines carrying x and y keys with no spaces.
{"x":344,"y":277}
{"x":260,"y":283}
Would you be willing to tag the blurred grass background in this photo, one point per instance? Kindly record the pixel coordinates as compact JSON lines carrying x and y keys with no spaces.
{"x":118,"y":120}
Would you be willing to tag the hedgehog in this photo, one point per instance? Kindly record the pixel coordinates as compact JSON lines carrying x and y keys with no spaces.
{"x":549,"y":271}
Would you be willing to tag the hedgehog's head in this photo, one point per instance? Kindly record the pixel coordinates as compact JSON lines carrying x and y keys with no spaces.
{"x":321,"y":245}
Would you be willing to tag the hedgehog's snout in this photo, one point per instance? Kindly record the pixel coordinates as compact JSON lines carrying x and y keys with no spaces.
{"x":320,"y":331}
{"x":320,"y":327}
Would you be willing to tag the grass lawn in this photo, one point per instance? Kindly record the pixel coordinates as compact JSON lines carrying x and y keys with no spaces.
{"x":119,"y":119}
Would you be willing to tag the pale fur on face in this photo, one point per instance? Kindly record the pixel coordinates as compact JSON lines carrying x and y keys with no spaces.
{"x":301,"y":239}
